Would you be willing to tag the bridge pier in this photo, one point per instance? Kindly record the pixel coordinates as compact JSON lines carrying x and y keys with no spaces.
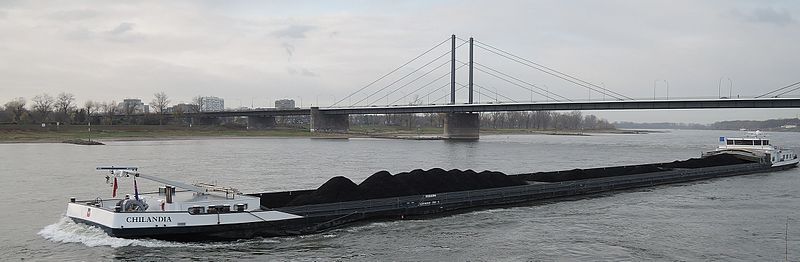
{"x":462,"y":126}
{"x":321,"y":122}
{"x":260,"y":122}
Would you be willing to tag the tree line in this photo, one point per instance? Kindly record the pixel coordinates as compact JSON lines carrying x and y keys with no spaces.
{"x":64,"y":109}
{"x":784,"y":124}
{"x":539,"y":120}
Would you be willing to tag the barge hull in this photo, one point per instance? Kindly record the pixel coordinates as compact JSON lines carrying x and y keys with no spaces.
{"x":420,"y":205}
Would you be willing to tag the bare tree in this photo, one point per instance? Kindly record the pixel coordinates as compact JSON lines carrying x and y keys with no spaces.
{"x":65,"y":104}
{"x":159,"y":104}
{"x":17,"y":107}
{"x":590,"y":122}
{"x":90,"y":106}
{"x":574,"y":120}
{"x":197,"y":104}
{"x":110,"y":110}
{"x":5,"y":116}
{"x":43,"y":106}
{"x":128,"y":108}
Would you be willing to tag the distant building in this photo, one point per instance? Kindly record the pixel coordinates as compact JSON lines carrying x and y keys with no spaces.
{"x":284,"y":104}
{"x":212,"y":104}
{"x":133,"y":106}
{"x":180,"y":108}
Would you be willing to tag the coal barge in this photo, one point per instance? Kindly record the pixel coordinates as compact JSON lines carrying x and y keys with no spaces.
{"x":198,"y":212}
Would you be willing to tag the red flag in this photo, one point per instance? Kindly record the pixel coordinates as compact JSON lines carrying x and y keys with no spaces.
{"x":114,"y":193}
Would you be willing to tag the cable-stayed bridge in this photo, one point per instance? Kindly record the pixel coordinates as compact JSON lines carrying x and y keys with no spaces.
{"x":420,"y":85}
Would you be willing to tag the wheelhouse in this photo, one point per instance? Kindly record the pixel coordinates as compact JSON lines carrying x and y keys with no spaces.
{"x":746,"y":142}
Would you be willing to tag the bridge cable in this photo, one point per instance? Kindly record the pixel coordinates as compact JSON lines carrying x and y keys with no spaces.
{"x":405,"y":76}
{"x":448,"y":93}
{"x":437,"y":89}
{"x":516,"y":84}
{"x":400,"y":79}
{"x":479,"y":92}
{"x":779,"y":89}
{"x":792,"y":90}
{"x":550,"y":71}
{"x":391,"y":72}
{"x":527,"y":83}
{"x":496,"y":93}
{"x":462,"y":87}
{"x":426,"y":85}
{"x":411,"y":82}
{"x":558,"y":76}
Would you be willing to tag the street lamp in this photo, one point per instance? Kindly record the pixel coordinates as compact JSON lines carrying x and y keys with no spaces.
{"x":730,"y":91}
{"x":719,"y":87}
{"x":654,"y":89}
{"x":604,"y":93}
{"x":547,"y":90}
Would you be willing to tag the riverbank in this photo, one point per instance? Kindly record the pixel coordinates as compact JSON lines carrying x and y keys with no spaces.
{"x":30,"y":134}
{"x":52,"y":134}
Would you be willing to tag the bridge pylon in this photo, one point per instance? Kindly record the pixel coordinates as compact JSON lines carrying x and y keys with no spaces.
{"x":461,"y":125}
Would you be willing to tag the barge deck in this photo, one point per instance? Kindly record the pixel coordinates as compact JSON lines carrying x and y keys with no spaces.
{"x":321,"y":217}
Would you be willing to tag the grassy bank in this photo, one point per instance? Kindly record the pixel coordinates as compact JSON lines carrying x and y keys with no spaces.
{"x":24,"y":134}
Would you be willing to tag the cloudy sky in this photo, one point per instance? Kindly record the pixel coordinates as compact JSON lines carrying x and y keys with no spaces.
{"x":253,"y":52}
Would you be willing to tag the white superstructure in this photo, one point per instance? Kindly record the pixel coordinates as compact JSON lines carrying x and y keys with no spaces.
{"x":756,"y":145}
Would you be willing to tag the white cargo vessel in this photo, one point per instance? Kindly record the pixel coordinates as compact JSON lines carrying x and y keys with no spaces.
{"x":757,"y":146}
{"x":177,"y":209}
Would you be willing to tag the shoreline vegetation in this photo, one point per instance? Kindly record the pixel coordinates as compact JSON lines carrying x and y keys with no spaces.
{"x":79,"y":134}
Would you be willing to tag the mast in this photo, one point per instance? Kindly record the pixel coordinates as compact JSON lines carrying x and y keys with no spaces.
{"x":133,"y":171}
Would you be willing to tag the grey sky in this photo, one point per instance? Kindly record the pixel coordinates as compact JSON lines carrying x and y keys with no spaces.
{"x":259,"y":51}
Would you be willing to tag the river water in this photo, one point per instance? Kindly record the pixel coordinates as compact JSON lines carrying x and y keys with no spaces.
{"x":732,"y":219}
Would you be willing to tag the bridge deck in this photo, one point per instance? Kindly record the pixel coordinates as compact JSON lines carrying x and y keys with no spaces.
{"x":540,"y":106}
{"x":535,"y":106}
